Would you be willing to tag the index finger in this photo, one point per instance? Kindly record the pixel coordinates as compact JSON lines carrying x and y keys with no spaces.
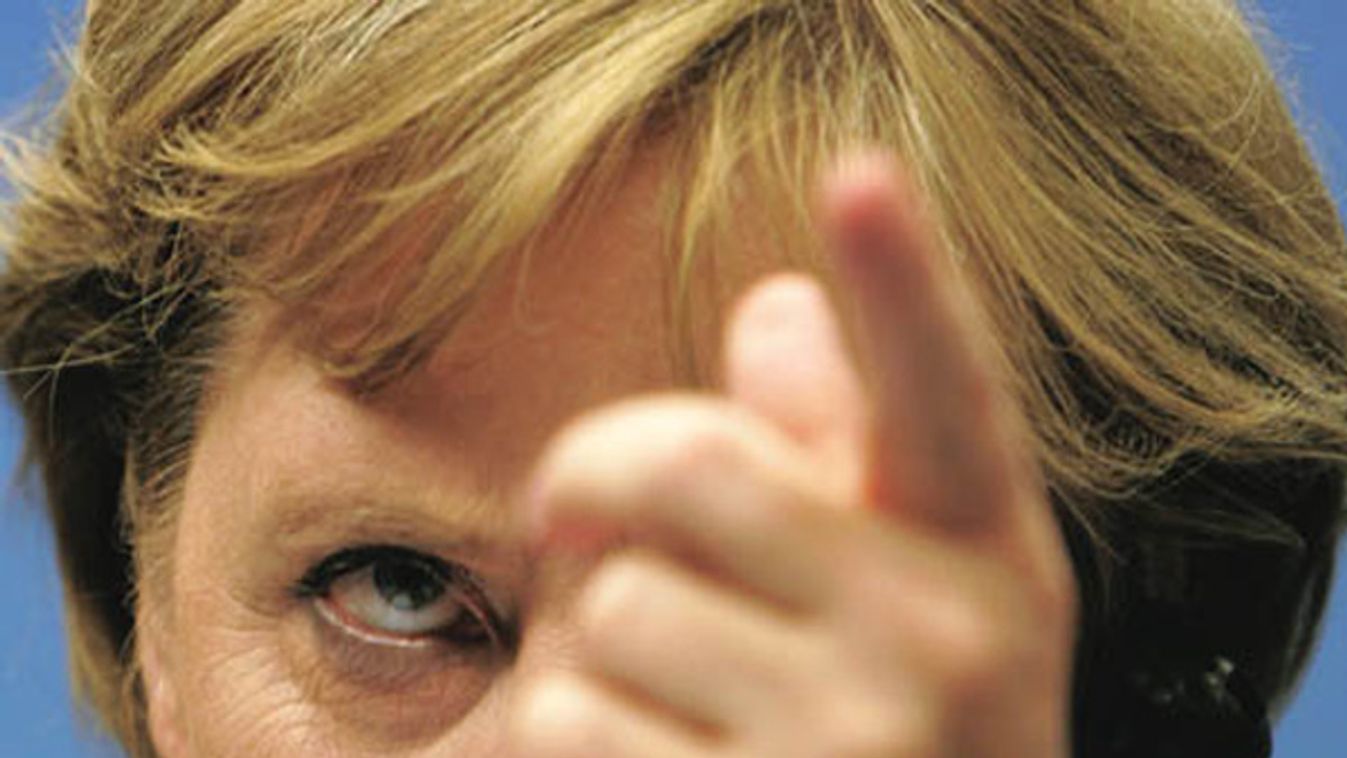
{"x":941,"y":448}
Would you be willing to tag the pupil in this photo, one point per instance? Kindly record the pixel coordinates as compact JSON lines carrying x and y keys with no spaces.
{"x":406,"y":586}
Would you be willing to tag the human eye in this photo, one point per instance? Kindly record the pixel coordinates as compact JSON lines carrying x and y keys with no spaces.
{"x":395,"y":596}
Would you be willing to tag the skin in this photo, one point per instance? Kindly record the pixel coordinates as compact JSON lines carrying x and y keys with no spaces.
{"x":803,"y":564}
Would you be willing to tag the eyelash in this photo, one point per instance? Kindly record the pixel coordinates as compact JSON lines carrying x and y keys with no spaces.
{"x":459,"y":583}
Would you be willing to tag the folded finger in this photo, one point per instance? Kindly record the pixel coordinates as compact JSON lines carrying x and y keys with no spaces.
{"x":568,"y":716}
{"x":702,"y":479}
{"x":700,"y":650}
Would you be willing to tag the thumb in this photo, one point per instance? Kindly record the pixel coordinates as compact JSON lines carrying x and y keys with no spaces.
{"x":785,"y":361}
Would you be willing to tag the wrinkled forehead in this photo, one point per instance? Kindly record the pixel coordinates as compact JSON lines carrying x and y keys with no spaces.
{"x":424,"y":280}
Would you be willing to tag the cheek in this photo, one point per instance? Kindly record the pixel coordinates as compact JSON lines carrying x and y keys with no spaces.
{"x":235,"y":700}
{"x":294,"y":685}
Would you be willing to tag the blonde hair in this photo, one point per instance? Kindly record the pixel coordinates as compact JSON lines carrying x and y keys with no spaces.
{"x":1160,"y":266}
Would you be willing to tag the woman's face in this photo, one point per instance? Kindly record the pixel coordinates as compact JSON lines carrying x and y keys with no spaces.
{"x":346,"y":576}
{"x":811,"y":568}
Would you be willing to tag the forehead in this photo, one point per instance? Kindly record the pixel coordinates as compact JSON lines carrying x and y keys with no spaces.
{"x":577,"y":319}
{"x":573,"y":314}
{"x":618,"y":243}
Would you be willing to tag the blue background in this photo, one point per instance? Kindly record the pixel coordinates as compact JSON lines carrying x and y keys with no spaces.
{"x":35,"y":713}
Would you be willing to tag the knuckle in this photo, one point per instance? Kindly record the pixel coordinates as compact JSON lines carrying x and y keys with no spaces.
{"x":638,"y":456}
{"x":864,"y":730}
{"x":623,"y":607}
{"x":703,"y":446}
{"x":711,"y":465}
{"x":1061,"y":595}
{"x":976,"y":654}
{"x":554,"y":717}
{"x":1049,"y":603}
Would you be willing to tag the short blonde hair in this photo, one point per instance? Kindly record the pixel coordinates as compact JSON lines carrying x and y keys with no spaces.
{"x":1162,"y":269}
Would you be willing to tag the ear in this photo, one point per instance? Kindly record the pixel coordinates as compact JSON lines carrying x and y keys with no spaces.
{"x":163,"y":707}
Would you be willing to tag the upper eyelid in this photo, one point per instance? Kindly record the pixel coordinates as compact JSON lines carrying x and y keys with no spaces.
{"x":301,"y":523}
{"x":348,"y":560}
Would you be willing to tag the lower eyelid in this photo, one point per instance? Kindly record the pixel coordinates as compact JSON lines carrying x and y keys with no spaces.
{"x":331,"y":614}
{"x":396,"y":695}
{"x":405,"y":687}
{"x":354,"y":660}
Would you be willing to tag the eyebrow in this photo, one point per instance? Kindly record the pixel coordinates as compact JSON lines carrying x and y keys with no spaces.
{"x":472,"y":522}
